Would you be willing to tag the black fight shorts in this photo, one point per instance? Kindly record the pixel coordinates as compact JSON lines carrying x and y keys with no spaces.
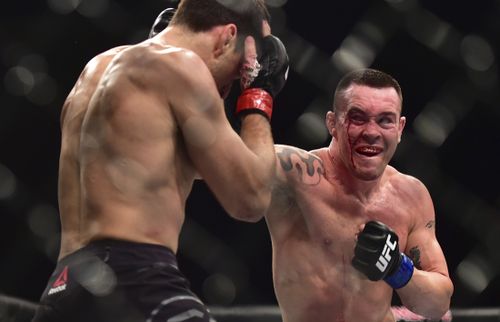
{"x":119,"y":281}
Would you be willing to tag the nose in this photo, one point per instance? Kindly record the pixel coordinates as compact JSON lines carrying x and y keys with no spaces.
{"x":370,"y":132}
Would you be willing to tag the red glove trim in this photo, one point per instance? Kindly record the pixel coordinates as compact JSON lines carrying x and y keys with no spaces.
{"x":255,"y":100}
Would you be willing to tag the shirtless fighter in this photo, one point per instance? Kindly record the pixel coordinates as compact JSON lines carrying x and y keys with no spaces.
{"x":347,"y":229}
{"x":141,"y":123}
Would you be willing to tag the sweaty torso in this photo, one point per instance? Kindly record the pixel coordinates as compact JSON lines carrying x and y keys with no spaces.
{"x":124,"y":172}
{"x":313,"y":224}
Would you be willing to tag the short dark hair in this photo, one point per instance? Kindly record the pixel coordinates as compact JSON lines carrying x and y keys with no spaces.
{"x":202,"y":15}
{"x":368,"y":77}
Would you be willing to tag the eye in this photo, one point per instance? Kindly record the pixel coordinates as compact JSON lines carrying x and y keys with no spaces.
{"x":357,"y":118}
{"x":387,"y":121}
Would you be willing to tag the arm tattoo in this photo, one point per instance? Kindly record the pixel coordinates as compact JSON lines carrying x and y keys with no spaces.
{"x":415,"y":257}
{"x":430,"y":224}
{"x":308,"y":167}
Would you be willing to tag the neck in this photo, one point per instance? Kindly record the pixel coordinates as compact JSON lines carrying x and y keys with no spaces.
{"x":182,"y":37}
{"x":342,"y":175}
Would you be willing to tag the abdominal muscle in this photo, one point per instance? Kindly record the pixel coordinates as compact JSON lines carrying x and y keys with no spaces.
{"x":309,"y":288}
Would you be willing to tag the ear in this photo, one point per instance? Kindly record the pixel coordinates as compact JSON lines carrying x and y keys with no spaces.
{"x":402,"y":123}
{"x":266,"y":29}
{"x":226,"y":39}
{"x":330,"y":123}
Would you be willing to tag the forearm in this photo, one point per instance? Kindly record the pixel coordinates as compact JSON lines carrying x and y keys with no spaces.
{"x":427,"y":294}
{"x":261,"y":83}
{"x":257,"y":136}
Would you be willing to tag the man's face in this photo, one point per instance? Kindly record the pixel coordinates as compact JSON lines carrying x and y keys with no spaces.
{"x":226,"y":70}
{"x":227,"y":66}
{"x":368,"y":129}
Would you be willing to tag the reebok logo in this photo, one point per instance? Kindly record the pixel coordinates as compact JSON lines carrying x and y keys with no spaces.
{"x":60,"y":283}
{"x":385,"y":257}
{"x":58,"y":289}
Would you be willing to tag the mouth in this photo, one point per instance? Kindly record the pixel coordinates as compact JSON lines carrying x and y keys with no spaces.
{"x":369,"y":150}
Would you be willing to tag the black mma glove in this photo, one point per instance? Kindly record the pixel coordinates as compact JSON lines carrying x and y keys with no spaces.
{"x":161,"y":21}
{"x":377,"y":256}
{"x":259,"y":92}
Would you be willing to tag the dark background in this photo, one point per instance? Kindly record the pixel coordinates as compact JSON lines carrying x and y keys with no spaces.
{"x":444,"y":53}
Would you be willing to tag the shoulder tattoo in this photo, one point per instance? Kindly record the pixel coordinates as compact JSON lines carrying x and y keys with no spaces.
{"x":415,"y":257}
{"x":308,"y":167}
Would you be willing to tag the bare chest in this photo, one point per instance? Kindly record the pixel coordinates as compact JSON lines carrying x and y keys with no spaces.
{"x":332,"y":218}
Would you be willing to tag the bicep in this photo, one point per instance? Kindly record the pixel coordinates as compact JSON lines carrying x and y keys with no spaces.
{"x":422,"y":245}
{"x":425,"y":251}
{"x":195,"y":103}
{"x":211,"y":143}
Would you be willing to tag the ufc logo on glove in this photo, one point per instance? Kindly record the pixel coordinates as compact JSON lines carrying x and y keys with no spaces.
{"x":377,"y":256}
{"x":385,"y":257}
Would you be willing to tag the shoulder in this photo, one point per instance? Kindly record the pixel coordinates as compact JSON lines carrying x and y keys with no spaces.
{"x":412,"y":193}
{"x":409,"y":186}
{"x":283,"y":148}
{"x":287,"y":153}
{"x":168,"y":67}
{"x":299,"y":165}
{"x":89,"y":78}
{"x":95,"y":67}
{"x":161,"y":58}
{"x":101,"y":61}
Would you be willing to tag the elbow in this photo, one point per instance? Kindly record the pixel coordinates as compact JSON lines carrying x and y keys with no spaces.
{"x":250,"y":200}
{"x":439,"y":308}
{"x":248,"y":217}
{"x":252,"y":207}
{"x":443,"y":310}
{"x":438,"y":313}
{"x":434,"y":312}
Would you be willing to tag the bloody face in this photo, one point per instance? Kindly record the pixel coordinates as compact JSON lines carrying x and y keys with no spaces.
{"x":368,"y":129}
